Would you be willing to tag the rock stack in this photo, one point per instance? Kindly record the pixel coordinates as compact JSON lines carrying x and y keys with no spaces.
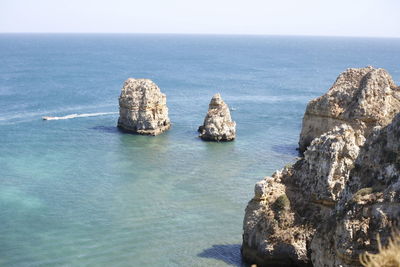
{"x":143,"y":108}
{"x":327,"y":208}
{"x":218,"y":125}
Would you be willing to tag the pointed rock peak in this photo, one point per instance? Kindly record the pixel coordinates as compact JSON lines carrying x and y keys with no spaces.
{"x":216,"y":100}
{"x":216,"y":96}
{"x":218,"y":124}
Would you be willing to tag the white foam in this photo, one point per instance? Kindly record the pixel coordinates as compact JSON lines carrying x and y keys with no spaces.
{"x":28,"y":116}
{"x":73,"y":116}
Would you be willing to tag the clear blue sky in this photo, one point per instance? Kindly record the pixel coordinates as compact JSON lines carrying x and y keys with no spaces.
{"x":379,"y":18}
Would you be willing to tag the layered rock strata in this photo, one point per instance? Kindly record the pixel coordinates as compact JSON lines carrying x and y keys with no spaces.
{"x":218,"y":125}
{"x":327,"y":208}
{"x":362,"y":98}
{"x":143,"y":108}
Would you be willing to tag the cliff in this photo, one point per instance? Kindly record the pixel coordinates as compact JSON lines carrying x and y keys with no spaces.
{"x":370,"y":204}
{"x":328,"y":207}
{"x":362,"y":98}
{"x":143,"y":108}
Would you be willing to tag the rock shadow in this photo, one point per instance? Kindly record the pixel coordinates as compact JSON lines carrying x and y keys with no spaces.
{"x":230,"y":254}
{"x":291,"y":150}
{"x":107,"y":129}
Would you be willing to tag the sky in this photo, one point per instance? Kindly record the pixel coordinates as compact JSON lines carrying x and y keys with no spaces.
{"x":370,"y":18}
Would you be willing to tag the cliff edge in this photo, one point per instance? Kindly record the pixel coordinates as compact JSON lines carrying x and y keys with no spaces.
{"x":327,"y":208}
{"x":362,"y":98}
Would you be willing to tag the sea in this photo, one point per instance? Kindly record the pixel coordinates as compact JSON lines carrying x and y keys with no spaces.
{"x":78,"y":192}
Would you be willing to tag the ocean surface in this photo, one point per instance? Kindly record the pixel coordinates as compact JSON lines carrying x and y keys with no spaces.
{"x":78,"y":192}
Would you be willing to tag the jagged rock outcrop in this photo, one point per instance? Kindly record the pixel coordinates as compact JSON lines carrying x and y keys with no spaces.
{"x":273,"y":234}
{"x":370,"y":204}
{"x":143,"y":108}
{"x":362,"y":98}
{"x":340,"y":194}
{"x":218,"y":124}
{"x":312,"y":187}
{"x":325,"y":168}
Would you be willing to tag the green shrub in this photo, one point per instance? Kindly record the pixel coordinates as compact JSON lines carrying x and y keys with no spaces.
{"x":281,"y":203}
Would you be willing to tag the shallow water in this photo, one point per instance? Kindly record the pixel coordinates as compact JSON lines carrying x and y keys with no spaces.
{"x":79,"y":192}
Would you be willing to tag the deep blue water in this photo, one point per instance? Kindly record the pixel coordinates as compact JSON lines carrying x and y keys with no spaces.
{"x":78,"y":192}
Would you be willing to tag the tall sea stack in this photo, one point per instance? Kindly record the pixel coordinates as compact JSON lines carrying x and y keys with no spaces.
{"x":218,"y":125}
{"x":143,"y":108}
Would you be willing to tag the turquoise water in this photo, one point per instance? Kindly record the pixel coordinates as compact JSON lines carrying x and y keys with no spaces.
{"x":78,"y":192}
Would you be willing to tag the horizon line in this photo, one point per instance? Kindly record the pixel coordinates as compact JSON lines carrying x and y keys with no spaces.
{"x":215,"y":34}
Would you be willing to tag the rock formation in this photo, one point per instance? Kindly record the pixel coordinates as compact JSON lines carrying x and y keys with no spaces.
{"x":311,"y":186}
{"x":143,"y":108}
{"x":370,"y":204}
{"x":362,"y":98}
{"x":218,"y":125}
{"x":273,"y":234}
{"x":327,"y":208}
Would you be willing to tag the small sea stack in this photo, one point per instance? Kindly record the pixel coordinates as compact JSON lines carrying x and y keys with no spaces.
{"x":143,"y":108}
{"x":218,"y":125}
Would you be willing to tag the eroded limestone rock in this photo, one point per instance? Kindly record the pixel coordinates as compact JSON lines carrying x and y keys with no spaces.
{"x":362,"y":98}
{"x":370,"y":204}
{"x":143,"y":108}
{"x":273,"y":234}
{"x":327,"y":163}
{"x":312,"y":186}
{"x":218,"y":124}
{"x":346,"y":188}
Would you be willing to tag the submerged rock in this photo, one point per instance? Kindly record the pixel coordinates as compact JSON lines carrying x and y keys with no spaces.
{"x":328,"y":207}
{"x":143,"y":108}
{"x":218,"y":124}
{"x":362,"y":98}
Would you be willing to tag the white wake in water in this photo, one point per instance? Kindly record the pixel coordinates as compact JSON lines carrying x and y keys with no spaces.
{"x":73,"y":116}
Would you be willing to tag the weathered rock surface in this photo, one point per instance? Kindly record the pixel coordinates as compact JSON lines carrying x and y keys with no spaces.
{"x":344,"y":191}
{"x":370,"y":204}
{"x":273,"y":234}
{"x":218,"y":124}
{"x":143,"y":108}
{"x":362,"y":98}
{"x":312,"y":186}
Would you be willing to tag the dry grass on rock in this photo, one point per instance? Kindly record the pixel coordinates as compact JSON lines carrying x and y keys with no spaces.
{"x":388,"y":256}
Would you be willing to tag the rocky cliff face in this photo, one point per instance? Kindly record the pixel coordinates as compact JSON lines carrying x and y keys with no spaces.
{"x":312,"y":187}
{"x":143,"y":108}
{"x":370,"y":204}
{"x":341,"y":193}
{"x":218,"y":124}
{"x":362,"y":98}
{"x":274,"y":234}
